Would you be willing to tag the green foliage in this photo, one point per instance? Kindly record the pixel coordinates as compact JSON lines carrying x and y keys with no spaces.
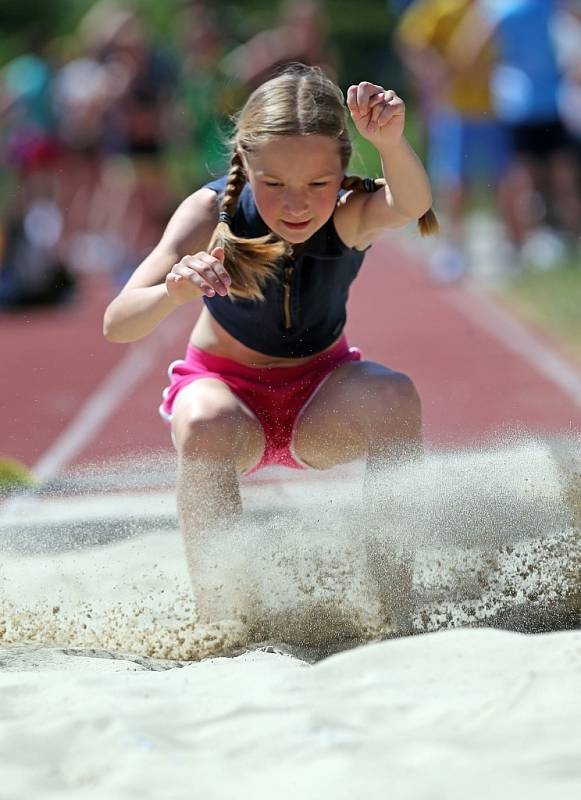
{"x":19,"y":17}
{"x":551,"y":300}
{"x":26,"y":23}
{"x":365,"y":159}
{"x":359,"y":33}
{"x":13,"y":475}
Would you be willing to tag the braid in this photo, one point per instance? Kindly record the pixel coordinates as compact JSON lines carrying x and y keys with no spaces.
{"x":358,"y":184}
{"x":427,"y":223}
{"x":249,"y":262}
{"x":234,"y":184}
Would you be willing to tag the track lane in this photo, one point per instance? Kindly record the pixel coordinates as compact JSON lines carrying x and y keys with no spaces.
{"x":473,"y":384}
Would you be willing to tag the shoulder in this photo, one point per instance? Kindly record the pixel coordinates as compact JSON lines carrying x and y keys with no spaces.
{"x":361,"y":216}
{"x":356,"y":222}
{"x":346,"y":219}
{"x":193,"y":222}
{"x":217,"y":185}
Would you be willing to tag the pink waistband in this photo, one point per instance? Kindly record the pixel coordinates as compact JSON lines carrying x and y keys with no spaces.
{"x":228,"y":366}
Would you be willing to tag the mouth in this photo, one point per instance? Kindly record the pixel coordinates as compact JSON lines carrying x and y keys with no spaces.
{"x":296,"y":226}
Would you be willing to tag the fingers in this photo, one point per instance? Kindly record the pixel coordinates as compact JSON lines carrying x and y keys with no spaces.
{"x":365,"y":92}
{"x":217,"y":255}
{"x":205,"y":271}
{"x":393,"y":107}
{"x":373,"y":104}
{"x":362,"y":97}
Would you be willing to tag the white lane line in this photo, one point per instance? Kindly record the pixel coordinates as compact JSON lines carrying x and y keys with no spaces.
{"x":515,"y":336}
{"x":94,"y":413}
{"x":101,"y":404}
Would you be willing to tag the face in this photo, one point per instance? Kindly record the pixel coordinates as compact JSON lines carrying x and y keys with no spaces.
{"x":295,"y":181}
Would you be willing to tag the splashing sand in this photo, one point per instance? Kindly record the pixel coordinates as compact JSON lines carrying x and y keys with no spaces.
{"x":469,"y":538}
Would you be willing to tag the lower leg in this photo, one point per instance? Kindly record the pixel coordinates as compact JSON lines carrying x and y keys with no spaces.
{"x":367,"y":410}
{"x":394,"y":441}
{"x":208,"y":499}
{"x":518,"y":204}
{"x":208,"y":494}
{"x":564,"y":191}
{"x":215,"y":439}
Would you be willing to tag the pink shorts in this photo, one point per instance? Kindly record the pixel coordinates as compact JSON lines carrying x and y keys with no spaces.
{"x":276,"y":396}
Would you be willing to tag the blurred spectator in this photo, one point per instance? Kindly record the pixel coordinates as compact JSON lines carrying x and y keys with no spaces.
{"x":137,"y":129}
{"x":28,"y":128}
{"x":86,"y":139}
{"x":84,"y":89}
{"x":567,"y":38}
{"x":467,"y":148}
{"x":542,"y":187}
{"x":31,"y":271}
{"x":206,"y":98}
{"x":301,"y":36}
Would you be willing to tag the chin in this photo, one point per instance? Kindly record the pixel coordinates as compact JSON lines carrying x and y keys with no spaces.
{"x":296,"y":237}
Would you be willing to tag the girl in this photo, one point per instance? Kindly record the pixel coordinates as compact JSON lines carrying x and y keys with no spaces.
{"x":272,"y":247}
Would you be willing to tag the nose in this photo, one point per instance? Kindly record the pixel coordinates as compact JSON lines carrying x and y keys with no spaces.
{"x":295,"y":203}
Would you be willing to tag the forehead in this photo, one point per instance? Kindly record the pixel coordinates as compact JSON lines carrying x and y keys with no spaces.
{"x":298,"y":156}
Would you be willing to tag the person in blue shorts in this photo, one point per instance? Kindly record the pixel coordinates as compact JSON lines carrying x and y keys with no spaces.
{"x":543,"y":184}
{"x":467,"y":147}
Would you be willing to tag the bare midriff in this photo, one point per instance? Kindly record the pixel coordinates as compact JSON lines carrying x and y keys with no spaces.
{"x":208,"y":335}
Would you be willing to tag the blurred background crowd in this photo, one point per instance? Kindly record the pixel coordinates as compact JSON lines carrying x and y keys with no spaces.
{"x":112,"y":112}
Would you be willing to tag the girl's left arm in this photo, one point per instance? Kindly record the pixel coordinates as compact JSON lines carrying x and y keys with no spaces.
{"x":379,"y":116}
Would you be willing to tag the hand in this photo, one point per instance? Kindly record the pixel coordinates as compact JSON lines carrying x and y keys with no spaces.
{"x":378,"y":113}
{"x":202,"y":273}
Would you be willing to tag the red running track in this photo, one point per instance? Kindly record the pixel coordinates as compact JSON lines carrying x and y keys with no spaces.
{"x":473,"y":383}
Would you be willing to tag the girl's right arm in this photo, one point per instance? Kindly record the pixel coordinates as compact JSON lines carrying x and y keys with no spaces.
{"x":169,"y":276}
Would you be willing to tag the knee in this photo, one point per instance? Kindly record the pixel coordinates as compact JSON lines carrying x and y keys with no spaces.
{"x":396,"y":394}
{"x":206,"y":430}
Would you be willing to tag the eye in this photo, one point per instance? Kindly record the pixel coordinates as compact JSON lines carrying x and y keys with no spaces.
{"x":271,"y":183}
{"x":320,"y":183}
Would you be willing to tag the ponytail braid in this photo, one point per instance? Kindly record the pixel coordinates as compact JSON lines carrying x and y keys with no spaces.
{"x":427,"y":223}
{"x":234,"y":185}
{"x":357,"y":184}
{"x":249,"y":262}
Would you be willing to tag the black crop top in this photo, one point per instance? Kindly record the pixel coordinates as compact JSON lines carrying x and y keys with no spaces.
{"x":304,"y":309}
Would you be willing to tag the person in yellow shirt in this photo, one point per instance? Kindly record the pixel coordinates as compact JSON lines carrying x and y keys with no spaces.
{"x":467,"y":147}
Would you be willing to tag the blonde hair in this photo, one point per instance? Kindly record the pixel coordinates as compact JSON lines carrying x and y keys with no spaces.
{"x":298,"y":102}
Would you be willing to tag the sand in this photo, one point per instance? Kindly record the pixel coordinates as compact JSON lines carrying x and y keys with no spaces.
{"x":467,"y":713}
{"x":322,"y":676}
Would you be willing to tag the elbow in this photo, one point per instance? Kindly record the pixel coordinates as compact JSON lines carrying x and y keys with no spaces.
{"x":416,"y":210}
{"x":424,"y":205}
{"x":108,"y":327}
{"x":110,"y":335}
{"x":110,"y":332}
{"x":420,"y":211}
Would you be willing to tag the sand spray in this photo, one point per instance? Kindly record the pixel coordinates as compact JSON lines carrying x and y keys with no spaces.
{"x":479,"y":537}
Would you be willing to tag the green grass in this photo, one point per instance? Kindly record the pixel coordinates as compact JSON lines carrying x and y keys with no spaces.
{"x":14,"y":475}
{"x":552,"y":301}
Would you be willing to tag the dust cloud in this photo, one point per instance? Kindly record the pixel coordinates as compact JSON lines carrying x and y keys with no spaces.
{"x":487,"y":537}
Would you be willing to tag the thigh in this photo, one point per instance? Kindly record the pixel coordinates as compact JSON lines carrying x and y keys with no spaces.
{"x":336,"y":424}
{"x":211,"y":403}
